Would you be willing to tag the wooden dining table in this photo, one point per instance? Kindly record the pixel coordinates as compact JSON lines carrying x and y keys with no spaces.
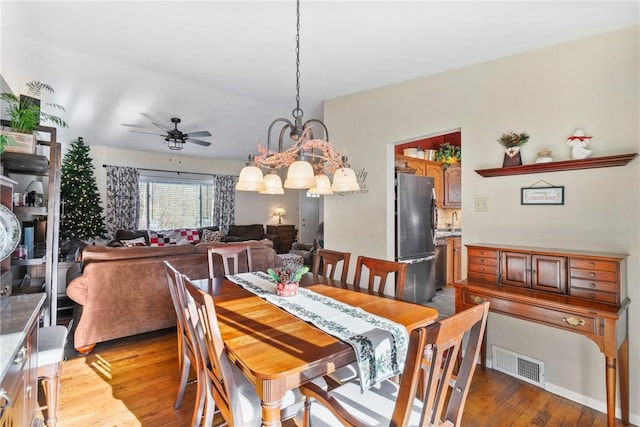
{"x":279,"y":352}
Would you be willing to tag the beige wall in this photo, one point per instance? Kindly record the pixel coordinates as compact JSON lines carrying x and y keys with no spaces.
{"x":251,"y":208}
{"x":591,"y":84}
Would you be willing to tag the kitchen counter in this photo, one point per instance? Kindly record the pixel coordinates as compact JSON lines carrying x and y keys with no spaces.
{"x":442,"y":234}
{"x":17,"y":313}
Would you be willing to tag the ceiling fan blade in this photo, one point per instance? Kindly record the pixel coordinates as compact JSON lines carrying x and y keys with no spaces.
{"x":163,"y":127}
{"x":199,"y":142}
{"x":198,"y":133}
{"x":148,"y":133}
{"x":132,"y":126}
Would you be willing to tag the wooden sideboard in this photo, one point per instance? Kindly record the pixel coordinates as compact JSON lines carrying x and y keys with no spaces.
{"x":287,"y":234}
{"x":578,"y":291}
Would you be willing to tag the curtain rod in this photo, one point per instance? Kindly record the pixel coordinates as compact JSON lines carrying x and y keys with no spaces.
{"x":164,"y":170}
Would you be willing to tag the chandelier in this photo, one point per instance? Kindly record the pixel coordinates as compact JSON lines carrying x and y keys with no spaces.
{"x":308,"y":160}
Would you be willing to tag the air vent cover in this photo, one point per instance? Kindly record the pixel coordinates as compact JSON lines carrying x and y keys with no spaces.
{"x":518,"y":365}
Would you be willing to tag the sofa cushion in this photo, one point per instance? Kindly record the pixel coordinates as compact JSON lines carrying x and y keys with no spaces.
{"x":246,"y":232}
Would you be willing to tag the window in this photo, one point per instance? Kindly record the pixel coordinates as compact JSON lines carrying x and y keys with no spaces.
{"x":169,"y":202}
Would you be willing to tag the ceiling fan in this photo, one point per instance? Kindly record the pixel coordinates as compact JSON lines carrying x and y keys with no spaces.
{"x":175,"y":138}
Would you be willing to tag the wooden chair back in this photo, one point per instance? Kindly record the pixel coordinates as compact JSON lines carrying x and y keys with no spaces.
{"x":439,"y":345}
{"x":229,"y":253}
{"x":220,"y":379}
{"x":187,"y":340}
{"x":381,"y":269}
{"x":326,"y":261}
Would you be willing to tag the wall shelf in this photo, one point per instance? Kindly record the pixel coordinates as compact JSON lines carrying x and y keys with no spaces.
{"x":564,"y":165}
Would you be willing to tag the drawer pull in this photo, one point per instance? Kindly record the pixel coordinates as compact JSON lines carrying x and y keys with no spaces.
{"x":477,"y":299}
{"x":482,"y":276}
{"x":593,"y":285}
{"x":7,"y":401}
{"x":592,"y":274}
{"x":573,"y":321}
{"x":481,"y":261}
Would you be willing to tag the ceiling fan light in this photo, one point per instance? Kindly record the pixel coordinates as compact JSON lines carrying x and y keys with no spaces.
{"x":344,"y":179}
{"x":300,"y":175}
{"x":322,"y":187}
{"x":250,"y":179}
{"x":273,"y":184}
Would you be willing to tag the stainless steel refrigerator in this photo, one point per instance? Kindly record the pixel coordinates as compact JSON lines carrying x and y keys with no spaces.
{"x":416,"y":221}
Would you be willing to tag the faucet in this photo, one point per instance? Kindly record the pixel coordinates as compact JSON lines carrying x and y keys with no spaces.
{"x":454,"y":218}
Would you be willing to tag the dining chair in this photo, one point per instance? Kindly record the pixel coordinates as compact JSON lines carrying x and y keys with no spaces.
{"x":51,"y":343}
{"x":229,"y":253}
{"x":226,"y":387}
{"x":326,"y":262}
{"x":186,"y":353}
{"x":389,"y":403}
{"x":381,"y":269}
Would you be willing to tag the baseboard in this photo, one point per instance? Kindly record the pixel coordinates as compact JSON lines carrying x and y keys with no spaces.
{"x":582,"y":400}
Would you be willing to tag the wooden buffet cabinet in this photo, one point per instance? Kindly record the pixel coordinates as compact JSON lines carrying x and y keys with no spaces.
{"x":287,"y":234}
{"x":577,"y":291}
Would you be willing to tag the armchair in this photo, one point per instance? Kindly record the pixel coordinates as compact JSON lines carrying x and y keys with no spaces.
{"x":308,"y":250}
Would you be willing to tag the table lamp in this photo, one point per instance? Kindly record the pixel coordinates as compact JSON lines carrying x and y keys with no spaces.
{"x":279,"y":212}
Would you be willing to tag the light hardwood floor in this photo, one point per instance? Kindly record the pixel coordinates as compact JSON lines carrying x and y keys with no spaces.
{"x":133,"y":382}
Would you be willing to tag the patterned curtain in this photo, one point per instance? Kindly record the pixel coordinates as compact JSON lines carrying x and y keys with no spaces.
{"x":224,"y":208}
{"x":123,"y":199}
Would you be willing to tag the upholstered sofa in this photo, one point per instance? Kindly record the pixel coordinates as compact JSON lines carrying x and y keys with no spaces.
{"x":123,"y":291}
{"x":241,"y":233}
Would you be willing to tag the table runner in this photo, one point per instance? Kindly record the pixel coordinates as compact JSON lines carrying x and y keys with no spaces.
{"x":380,"y":345}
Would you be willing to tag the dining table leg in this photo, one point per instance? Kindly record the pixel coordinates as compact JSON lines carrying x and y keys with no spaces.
{"x":271,"y":393}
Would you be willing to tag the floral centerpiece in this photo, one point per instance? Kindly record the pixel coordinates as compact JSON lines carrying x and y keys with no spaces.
{"x":512,"y":142}
{"x":287,"y":279}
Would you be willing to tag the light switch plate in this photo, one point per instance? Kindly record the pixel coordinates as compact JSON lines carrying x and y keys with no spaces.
{"x":481,"y":204}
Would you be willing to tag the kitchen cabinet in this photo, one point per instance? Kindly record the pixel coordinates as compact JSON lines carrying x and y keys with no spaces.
{"x":452,"y":186}
{"x":19,"y":335}
{"x":427,"y":168}
{"x":287,"y":234}
{"x":454,"y":260}
{"x":44,"y":261}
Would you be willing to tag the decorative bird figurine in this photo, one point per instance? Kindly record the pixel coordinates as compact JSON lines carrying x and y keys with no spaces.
{"x":578,"y":143}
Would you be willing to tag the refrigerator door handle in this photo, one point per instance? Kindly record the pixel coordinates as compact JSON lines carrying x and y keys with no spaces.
{"x":434,"y":216}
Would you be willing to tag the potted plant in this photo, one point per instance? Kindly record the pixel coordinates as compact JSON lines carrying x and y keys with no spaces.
{"x":447,"y":154}
{"x":512,"y":142}
{"x":25,"y":114}
{"x":287,"y":279}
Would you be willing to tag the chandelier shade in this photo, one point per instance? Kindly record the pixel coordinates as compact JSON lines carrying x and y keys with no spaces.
{"x":300,"y":175}
{"x":251,"y":179}
{"x":344,"y":179}
{"x":322,"y":187}
{"x":272,"y":183}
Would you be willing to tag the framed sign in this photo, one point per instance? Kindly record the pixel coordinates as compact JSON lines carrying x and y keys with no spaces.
{"x":542,"y":196}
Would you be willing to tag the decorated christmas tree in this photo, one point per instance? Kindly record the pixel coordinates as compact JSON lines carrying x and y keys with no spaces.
{"x":81,"y":212}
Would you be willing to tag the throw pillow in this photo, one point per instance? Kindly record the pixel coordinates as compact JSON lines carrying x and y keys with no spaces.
{"x":134,"y":242}
{"x":186,"y":236}
{"x":161,"y":238}
{"x":209,"y":236}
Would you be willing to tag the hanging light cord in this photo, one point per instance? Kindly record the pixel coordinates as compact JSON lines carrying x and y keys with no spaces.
{"x":298,"y":58}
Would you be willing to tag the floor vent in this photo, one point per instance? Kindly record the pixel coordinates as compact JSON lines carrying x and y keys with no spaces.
{"x":517,"y":365}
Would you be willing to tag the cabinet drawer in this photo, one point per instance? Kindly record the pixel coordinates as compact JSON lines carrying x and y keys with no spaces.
{"x":594,"y":285}
{"x":485,"y":277}
{"x":483,"y":261}
{"x":607,"y":276}
{"x":591,"y":264}
{"x":558,"y":318}
{"x":481,"y":268}
{"x":485,"y":253}
{"x":590,"y":294}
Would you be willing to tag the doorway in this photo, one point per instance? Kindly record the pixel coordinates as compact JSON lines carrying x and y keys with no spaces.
{"x":309,"y":217}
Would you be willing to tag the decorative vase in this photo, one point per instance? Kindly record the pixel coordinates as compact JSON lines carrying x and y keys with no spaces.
{"x":287,"y":289}
{"x":512,"y":157}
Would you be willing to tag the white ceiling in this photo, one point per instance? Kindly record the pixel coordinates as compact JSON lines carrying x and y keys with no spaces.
{"x":229,"y":66}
